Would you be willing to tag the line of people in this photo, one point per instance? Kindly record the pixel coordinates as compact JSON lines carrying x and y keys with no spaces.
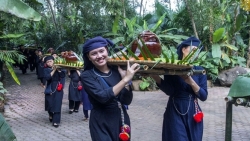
{"x":53,"y":80}
{"x":109,"y":91}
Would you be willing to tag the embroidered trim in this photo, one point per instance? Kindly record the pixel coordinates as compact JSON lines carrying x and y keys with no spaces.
{"x":101,"y":75}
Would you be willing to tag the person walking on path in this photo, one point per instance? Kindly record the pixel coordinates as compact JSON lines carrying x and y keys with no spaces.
{"x":108,"y":89}
{"x":86,"y":105}
{"x":40,"y":68}
{"x":75,"y":87}
{"x":53,"y":99}
{"x":183,"y":118}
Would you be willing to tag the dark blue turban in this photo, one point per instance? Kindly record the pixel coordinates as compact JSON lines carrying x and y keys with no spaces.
{"x":48,"y":58}
{"x":92,"y":44}
{"x":188,"y":42}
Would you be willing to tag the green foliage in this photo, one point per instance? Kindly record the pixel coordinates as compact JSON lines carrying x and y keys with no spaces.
{"x":147,"y":84}
{"x":6,"y":134}
{"x":19,"y":9}
{"x":9,"y":58}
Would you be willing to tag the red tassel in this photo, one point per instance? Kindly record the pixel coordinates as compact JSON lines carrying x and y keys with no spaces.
{"x":79,"y":88}
{"x":124,"y":136}
{"x":125,"y":128}
{"x":59,"y":87}
{"x":198,"y":116}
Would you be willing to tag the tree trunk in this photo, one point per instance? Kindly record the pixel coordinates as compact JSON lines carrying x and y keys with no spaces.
{"x":124,"y":13}
{"x":192,"y":18}
{"x":54,"y":19}
{"x":141,"y":6}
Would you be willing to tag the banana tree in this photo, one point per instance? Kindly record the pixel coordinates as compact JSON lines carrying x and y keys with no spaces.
{"x":226,"y":52}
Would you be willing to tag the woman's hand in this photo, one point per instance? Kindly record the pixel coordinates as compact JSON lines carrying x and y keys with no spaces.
{"x":131,"y":70}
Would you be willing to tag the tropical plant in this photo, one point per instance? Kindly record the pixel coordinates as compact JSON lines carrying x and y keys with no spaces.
{"x":6,"y":133}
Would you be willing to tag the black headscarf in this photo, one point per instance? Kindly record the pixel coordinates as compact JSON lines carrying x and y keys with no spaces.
{"x":48,"y":58}
{"x":188,"y":42}
{"x":92,"y":44}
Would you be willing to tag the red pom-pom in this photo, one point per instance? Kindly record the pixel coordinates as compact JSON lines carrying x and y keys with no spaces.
{"x":79,"y":88}
{"x":125,"y":128}
{"x":124,"y":136}
{"x":59,"y":87}
{"x":198,"y":117}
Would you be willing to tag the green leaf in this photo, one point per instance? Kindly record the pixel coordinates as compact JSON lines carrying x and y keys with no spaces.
{"x":124,"y":55}
{"x":130,"y":52}
{"x":159,"y":22}
{"x":19,"y":9}
{"x":225,"y":57}
{"x":147,"y":50}
{"x":11,"y":36}
{"x":130,"y":26}
{"x":166,"y":57}
{"x":145,"y":26}
{"x":141,"y":50}
{"x":216,"y":51}
{"x":144,"y":85}
{"x":239,"y":21}
{"x":232,"y":47}
{"x":5,"y":130}
{"x":2,"y":91}
{"x":172,"y":57}
{"x":115,"y":24}
{"x":218,"y":35}
{"x":12,"y":72}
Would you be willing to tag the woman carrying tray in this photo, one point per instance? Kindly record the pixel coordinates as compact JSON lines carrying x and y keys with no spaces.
{"x":183,"y":118}
{"x":109,"y":90}
{"x":75,"y":87}
{"x":53,"y":99}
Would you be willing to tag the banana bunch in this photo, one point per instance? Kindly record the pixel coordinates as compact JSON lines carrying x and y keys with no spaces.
{"x":63,"y":62}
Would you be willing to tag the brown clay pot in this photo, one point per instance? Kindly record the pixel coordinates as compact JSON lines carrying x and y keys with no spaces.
{"x":151,"y":41}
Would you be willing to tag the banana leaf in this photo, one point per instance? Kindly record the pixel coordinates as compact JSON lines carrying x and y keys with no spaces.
{"x":11,"y":36}
{"x":6,"y":133}
{"x":19,"y":9}
{"x":12,"y":72}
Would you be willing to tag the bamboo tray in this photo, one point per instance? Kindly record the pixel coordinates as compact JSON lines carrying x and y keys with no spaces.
{"x":151,"y":67}
{"x":151,"y":64}
{"x":67,"y":66}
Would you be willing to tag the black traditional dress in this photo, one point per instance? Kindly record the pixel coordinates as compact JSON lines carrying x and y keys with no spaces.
{"x":105,"y":118}
{"x":53,"y":102}
{"x":74,"y":93}
{"x":178,"y":123}
{"x":40,"y":69}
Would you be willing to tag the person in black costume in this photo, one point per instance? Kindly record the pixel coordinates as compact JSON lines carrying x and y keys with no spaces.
{"x":40,"y":68}
{"x":23,"y":66}
{"x":75,"y":95}
{"x":109,"y":90}
{"x":183,"y":118}
{"x":53,"y":101}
